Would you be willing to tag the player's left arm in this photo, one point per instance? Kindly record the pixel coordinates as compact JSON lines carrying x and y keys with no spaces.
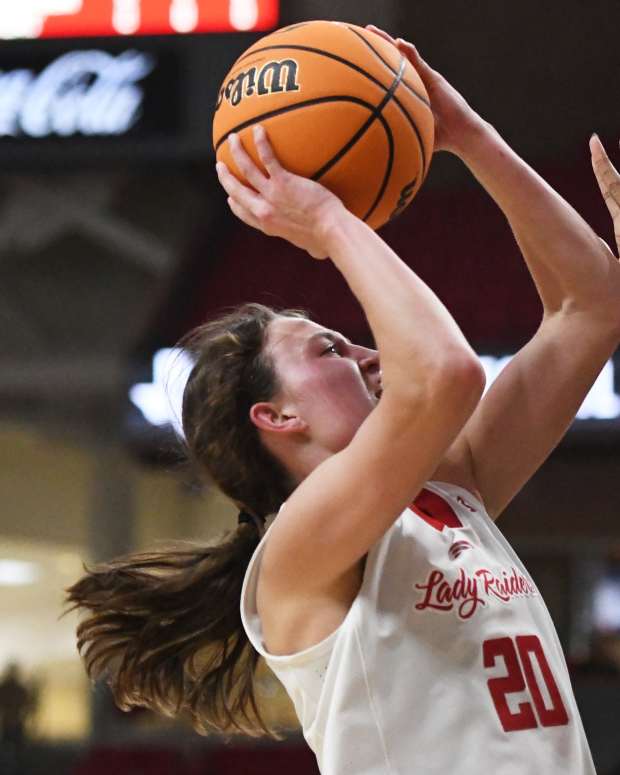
{"x":531,"y":404}
{"x":529,"y":407}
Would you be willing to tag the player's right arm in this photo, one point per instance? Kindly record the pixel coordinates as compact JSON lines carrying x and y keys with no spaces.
{"x":432,"y":381}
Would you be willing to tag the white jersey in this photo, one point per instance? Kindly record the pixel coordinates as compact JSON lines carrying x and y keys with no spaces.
{"x":446,"y":662}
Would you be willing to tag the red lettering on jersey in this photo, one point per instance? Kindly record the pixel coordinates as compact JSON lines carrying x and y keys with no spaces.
{"x":505,"y":586}
{"x":511,"y":683}
{"x":556,"y":715}
{"x":442,"y":595}
{"x":519,"y":672}
{"x":467,"y":592}
{"x":463,"y":502}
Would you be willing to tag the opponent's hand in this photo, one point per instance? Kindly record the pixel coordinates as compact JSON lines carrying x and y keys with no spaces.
{"x":454,"y":118}
{"x":608,"y":181}
{"x":283,"y":204}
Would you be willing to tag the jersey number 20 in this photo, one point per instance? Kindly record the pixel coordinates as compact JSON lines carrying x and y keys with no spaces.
{"x":519,"y":664}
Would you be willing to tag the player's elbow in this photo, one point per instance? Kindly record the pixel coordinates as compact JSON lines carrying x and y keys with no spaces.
{"x":465,"y":379}
{"x":448,"y":379}
{"x":456,"y":379}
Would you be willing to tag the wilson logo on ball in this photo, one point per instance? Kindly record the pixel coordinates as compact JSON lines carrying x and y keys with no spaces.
{"x":405,"y":196}
{"x":273,"y":77}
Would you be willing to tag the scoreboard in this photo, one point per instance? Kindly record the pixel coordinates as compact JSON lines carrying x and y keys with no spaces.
{"x":85,"y":18}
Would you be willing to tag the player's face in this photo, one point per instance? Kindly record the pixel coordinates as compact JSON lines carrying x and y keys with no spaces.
{"x":326,"y":380}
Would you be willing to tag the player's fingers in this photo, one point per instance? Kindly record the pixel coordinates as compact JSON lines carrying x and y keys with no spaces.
{"x":265,"y":151}
{"x":406,"y":48}
{"x":243,"y":213}
{"x":611,"y":196}
{"x":247,"y":167}
{"x":605,"y":170}
{"x":597,"y":148}
{"x":414,"y":56}
{"x":608,"y":181}
{"x":606,"y":175}
{"x":234,"y":188}
{"x":382,"y":33}
{"x":600,"y":160}
{"x":609,"y":184}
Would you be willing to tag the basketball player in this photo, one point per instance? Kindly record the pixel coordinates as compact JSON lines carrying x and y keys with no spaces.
{"x":403,"y":626}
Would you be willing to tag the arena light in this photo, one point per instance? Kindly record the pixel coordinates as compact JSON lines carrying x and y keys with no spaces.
{"x":606,"y":604}
{"x":601,"y":403}
{"x":85,"y":18}
{"x":160,"y":400}
{"x":17,"y":573}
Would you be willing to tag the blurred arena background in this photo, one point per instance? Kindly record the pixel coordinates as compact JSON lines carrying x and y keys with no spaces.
{"x":115,"y":238}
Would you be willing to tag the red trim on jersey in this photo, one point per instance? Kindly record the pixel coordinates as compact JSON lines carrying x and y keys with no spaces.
{"x":435,"y":510}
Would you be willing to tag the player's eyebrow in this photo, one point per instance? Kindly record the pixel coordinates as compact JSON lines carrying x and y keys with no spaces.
{"x":331,"y":335}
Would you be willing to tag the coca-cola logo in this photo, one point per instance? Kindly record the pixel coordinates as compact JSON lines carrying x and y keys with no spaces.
{"x":79,"y":93}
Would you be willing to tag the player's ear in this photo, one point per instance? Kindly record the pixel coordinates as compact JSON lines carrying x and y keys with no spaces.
{"x":269,"y":417}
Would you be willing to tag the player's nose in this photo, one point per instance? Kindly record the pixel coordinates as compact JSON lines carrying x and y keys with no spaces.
{"x":370,"y":366}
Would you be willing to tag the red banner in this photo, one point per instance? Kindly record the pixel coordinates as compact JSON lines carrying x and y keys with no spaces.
{"x":85,"y":18}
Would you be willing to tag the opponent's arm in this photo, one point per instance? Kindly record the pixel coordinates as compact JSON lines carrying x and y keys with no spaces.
{"x":608,"y":180}
{"x":529,"y":407}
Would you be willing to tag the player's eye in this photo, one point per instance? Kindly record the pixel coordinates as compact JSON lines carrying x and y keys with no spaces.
{"x":331,"y":348}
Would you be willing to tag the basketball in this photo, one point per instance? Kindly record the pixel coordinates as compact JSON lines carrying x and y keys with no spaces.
{"x":341,"y":106}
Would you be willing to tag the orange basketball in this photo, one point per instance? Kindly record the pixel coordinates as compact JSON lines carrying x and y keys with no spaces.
{"x":341,"y":106}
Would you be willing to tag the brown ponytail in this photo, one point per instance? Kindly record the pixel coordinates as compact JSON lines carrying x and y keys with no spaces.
{"x":164,"y":627}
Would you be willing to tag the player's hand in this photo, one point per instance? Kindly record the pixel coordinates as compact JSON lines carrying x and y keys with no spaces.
{"x":455,"y":120}
{"x":283,"y":204}
{"x":608,"y":181}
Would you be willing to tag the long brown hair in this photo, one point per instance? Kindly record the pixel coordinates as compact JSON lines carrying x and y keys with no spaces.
{"x":165,"y":628}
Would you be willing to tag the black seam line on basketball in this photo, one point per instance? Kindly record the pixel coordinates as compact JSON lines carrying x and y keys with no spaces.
{"x":402,"y":107}
{"x":295,"y":106}
{"x":292,"y":27}
{"x":359,"y":70}
{"x":388,"y":171}
{"x":397,"y":101}
{"x":364,"y":128}
{"x":322,"y":100}
{"x":421,"y":97}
